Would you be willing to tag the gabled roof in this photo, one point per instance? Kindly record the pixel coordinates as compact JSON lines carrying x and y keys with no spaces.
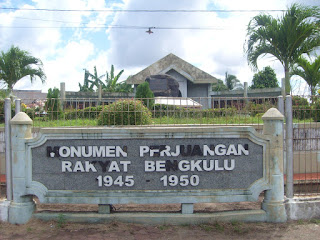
{"x":172,"y":62}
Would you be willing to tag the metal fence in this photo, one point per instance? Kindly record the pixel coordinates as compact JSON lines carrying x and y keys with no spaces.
{"x":306,"y":145}
{"x":2,"y":155}
{"x":194,"y":111}
{"x":158,"y":111}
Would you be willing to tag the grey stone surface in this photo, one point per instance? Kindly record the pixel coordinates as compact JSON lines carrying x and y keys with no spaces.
{"x":48,"y":170}
{"x":159,"y":218}
{"x":4,"y":210}
{"x":302,"y":208}
{"x":163,"y":85}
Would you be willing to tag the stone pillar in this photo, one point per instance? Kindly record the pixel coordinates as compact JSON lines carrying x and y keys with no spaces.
{"x":273,"y":202}
{"x":62,"y":94}
{"x":245,"y":92}
{"x":99,"y":94}
{"x":283,"y":88}
{"x":22,"y":206}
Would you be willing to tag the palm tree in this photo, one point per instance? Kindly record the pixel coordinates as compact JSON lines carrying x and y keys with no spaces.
{"x":16,"y":64}
{"x":231,"y":81}
{"x":310,"y":72}
{"x":286,"y":38}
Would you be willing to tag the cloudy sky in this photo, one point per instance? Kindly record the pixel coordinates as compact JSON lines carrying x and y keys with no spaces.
{"x":69,"y":41}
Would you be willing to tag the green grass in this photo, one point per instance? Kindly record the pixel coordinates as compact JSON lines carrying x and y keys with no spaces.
{"x":237,"y":119}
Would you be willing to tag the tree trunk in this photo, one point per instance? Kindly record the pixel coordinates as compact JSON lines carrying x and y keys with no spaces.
{"x":287,"y":79}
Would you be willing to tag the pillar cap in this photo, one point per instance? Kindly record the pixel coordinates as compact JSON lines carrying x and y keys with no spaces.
{"x":21,"y":118}
{"x":272,"y":114}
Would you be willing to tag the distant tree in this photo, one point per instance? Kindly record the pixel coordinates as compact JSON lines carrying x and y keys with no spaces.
{"x":52,"y":104}
{"x":112,"y":80}
{"x":85,"y":87}
{"x":219,"y":86}
{"x":231,"y":81}
{"x":145,"y":94}
{"x":265,"y":79}
{"x":92,"y":81}
{"x":309,"y":71}
{"x":286,"y":38}
{"x":123,"y":87}
{"x":16,"y":64}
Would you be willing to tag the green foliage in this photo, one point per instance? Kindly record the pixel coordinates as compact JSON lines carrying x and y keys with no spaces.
{"x":309,"y":71}
{"x":88,"y":112}
{"x":53,"y":104}
{"x":85,"y":87}
{"x":16,"y":64}
{"x":110,"y":84}
{"x":255,"y":108}
{"x":265,"y":79}
{"x":299,"y":101}
{"x":125,"y":112}
{"x":145,"y":94}
{"x":61,"y":222}
{"x":287,"y":37}
{"x":231,"y":81}
{"x":219,"y":86}
{"x":301,"y":108}
{"x":316,"y":111}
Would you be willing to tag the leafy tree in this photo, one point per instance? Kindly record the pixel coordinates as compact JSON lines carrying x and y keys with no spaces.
{"x":85,"y":87}
{"x":123,"y":87}
{"x":309,"y":71}
{"x":286,"y":38}
{"x":219,"y":86}
{"x":16,"y":64}
{"x":112,"y":80}
{"x":265,"y":79}
{"x":109,"y":84}
{"x":231,"y":81}
{"x":53,"y":104}
{"x":145,"y":94}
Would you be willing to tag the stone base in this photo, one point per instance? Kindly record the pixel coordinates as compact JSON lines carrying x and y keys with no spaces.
{"x":20,"y":213}
{"x":276,"y":211}
{"x":4,"y":211}
{"x":302,"y":208}
{"x":158,"y":218}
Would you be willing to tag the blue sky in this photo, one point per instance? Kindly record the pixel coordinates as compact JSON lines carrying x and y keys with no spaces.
{"x":68,"y":42}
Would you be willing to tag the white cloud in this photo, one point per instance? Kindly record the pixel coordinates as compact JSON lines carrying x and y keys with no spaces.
{"x":65,"y":52}
{"x":215,"y":51}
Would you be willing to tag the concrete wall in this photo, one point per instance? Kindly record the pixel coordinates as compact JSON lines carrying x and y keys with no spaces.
{"x":181,"y":80}
{"x":199,"y":93}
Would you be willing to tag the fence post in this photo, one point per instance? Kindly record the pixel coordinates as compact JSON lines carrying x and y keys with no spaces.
{"x":22,"y":206}
{"x":289,"y":148}
{"x":7,"y":139}
{"x":62,"y":95}
{"x":17,"y":105}
{"x":99,"y":95}
{"x":273,"y":202}
{"x":281,"y":104}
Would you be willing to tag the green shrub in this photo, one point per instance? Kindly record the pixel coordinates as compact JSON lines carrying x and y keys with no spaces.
{"x":53,"y":104}
{"x":301,"y":112}
{"x":254,"y":108}
{"x":145,"y":94}
{"x":125,"y":112}
{"x":316,"y":111}
{"x":88,"y":112}
{"x":299,"y":101}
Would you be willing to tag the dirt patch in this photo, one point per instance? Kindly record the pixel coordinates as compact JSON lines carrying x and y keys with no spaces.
{"x":61,"y":229}
{"x":36,"y":229}
{"x":169,"y":208}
